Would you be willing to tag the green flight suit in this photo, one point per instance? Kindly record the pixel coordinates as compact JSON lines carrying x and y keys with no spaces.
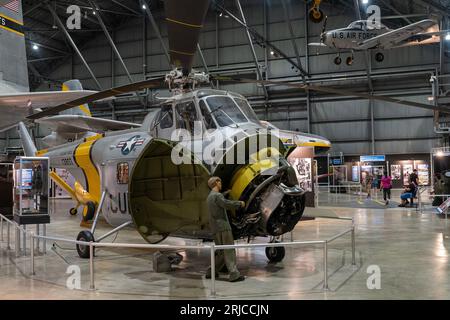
{"x":220,"y":226}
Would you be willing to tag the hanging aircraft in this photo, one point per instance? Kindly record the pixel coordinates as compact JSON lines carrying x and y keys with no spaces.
{"x":361,"y":35}
{"x":16,"y":102}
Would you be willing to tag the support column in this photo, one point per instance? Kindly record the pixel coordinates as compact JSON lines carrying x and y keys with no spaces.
{"x":255,"y":57}
{"x":156,"y":29}
{"x":73,"y":44}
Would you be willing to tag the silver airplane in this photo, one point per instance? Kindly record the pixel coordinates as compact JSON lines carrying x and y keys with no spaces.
{"x":360,"y":35}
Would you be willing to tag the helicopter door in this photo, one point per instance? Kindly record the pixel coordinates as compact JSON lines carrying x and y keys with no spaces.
{"x":186,"y":116}
{"x":165,"y":122}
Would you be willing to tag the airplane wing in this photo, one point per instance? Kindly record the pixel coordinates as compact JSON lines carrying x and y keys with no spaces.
{"x":41,"y":99}
{"x":14,"y":107}
{"x":80,"y":124}
{"x":317,"y":44}
{"x":395,"y":37}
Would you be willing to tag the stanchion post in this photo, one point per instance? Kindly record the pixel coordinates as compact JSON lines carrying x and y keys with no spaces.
{"x":213,"y":270}
{"x":1,"y":226}
{"x":8,"y":237}
{"x":32,"y":253}
{"x":325,"y":265}
{"x":353,"y":244}
{"x":91,"y":266}
{"x":17,"y":244}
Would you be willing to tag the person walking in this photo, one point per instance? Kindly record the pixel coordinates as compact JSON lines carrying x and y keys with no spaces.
{"x":368,"y":179}
{"x":386,"y":186}
{"x":220,"y":226}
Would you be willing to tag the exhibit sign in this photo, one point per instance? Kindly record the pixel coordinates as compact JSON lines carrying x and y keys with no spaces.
{"x":355,"y":173}
{"x":301,"y":160}
{"x":396,"y":172}
{"x":407,"y":170}
{"x":423,"y":173}
{"x":372,"y":158}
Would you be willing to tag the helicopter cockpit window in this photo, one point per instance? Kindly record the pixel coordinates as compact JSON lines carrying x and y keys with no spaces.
{"x":207,"y":118}
{"x":248,"y":111}
{"x":186,"y":115}
{"x":166,"y":117}
{"x":225,"y":111}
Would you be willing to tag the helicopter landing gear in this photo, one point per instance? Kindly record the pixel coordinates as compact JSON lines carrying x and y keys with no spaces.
{"x":379,"y":57}
{"x":349,"y":60}
{"x":275,"y":254}
{"x":73,"y":211}
{"x":337,"y":60}
{"x":88,"y":235}
{"x":85,"y":236}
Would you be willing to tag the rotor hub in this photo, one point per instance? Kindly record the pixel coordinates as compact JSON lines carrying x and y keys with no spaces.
{"x":179,"y":82}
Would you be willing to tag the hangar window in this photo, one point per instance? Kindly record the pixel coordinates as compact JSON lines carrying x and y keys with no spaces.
{"x":209,"y":122}
{"x":166,"y":117}
{"x":225,"y":111}
{"x":123,"y":173}
{"x":186,"y":115}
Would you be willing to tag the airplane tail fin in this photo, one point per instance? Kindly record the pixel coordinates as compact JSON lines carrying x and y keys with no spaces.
{"x":83,"y":110}
{"x":13,"y":62}
{"x":27,"y":142}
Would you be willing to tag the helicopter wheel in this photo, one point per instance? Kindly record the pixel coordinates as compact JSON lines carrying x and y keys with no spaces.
{"x":73,"y":211}
{"x":316,"y":15}
{"x":379,"y":57}
{"x":275,"y":254}
{"x":349,"y":61}
{"x":85,"y":236}
{"x":90,"y":211}
{"x":337,"y":60}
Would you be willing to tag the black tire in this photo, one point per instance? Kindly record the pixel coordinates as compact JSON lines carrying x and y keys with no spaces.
{"x":379,"y":57}
{"x":275,"y":254}
{"x":316,"y":15}
{"x":85,"y":236}
{"x":349,"y":61}
{"x":73,"y":211}
{"x":337,"y":60}
{"x":90,"y":211}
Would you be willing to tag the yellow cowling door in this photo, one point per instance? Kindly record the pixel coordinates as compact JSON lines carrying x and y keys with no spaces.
{"x":166,"y":198}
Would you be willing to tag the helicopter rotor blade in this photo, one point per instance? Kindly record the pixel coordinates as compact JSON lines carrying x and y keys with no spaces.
{"x":335,"y":91}
{"x":184,"y":23}
{"x":146,"y":84}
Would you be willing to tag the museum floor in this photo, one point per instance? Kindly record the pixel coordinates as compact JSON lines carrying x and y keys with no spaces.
{"x":409,"y":247}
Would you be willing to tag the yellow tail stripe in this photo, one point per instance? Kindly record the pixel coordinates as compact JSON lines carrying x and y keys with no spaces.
{"x":84,"y":161}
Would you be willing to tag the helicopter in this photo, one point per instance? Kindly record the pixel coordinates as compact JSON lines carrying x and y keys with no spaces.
{"x":154,"y":175}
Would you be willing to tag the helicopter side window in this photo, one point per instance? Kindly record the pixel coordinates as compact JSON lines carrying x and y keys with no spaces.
{"x":248,"y":111}
{"x":186,"y":115}
{"x":123,"y":173}
{"x":209,"y":122}
{"x":166,"y":117}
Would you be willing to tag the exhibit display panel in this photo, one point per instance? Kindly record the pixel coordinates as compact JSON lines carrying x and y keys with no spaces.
{"x":31,"y":190}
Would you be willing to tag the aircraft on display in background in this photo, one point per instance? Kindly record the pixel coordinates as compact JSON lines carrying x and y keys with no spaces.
{"x":361,"y":35}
